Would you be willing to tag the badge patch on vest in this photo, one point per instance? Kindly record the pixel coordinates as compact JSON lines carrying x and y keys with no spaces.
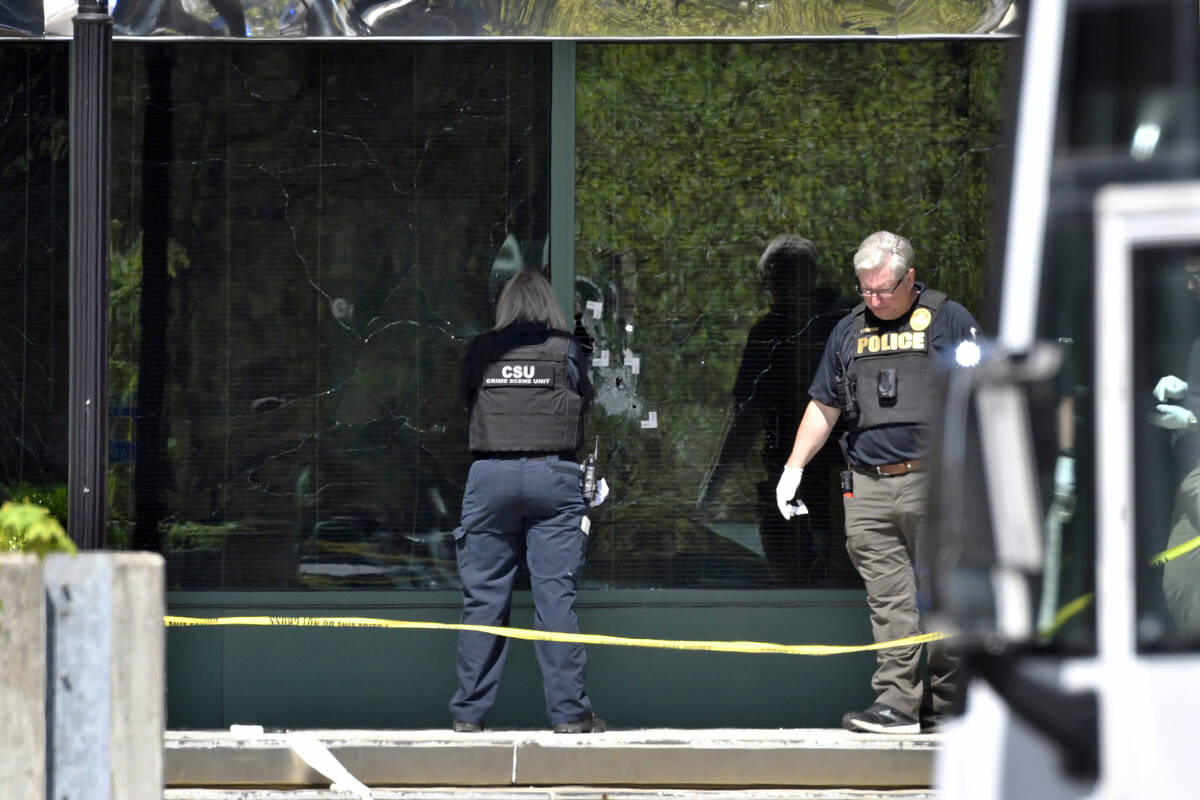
{"x":920,"y":319}
{"x":515,"y":373}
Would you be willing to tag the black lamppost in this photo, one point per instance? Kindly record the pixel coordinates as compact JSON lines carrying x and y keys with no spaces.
{"x":89,"y":135}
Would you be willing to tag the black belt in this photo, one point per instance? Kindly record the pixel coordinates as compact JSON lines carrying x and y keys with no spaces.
{"x":892,"y":470}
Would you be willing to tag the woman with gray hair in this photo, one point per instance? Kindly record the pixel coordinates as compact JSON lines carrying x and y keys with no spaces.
{"x":526,"y":389}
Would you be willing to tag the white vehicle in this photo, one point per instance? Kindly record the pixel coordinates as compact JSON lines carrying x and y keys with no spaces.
{"x":1064,"y":513}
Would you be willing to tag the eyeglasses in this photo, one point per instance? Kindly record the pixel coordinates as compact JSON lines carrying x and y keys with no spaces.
{"x":883,"y":292}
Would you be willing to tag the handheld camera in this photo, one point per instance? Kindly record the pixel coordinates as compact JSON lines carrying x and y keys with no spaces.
{"x":589,"y":474}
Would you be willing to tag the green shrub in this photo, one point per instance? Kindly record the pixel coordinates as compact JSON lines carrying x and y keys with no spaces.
{"x":30,"y":528}
{"x":52,"y":497}
{"x":179,"y":536}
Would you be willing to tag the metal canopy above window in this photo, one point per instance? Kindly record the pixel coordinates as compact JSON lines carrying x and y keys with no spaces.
{"x":622,"y":19}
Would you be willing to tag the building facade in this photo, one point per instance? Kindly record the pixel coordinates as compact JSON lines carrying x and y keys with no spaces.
{"x":307,"y":233}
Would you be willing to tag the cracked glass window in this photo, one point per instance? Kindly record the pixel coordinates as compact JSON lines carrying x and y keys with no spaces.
{"x":305,"y":237}
{"x":308,"y":237}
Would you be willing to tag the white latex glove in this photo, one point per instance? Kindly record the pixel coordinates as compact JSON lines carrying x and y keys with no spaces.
{"x":1173,"y":418}
{"x":1169,"y":388}
{"x":601,"y":493}
{"x":785,"y":491}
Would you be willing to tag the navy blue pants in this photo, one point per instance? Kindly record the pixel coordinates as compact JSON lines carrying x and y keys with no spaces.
{"x":513,"y":508}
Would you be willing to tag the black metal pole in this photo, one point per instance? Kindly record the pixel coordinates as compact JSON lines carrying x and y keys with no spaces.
{"x":89,"y":134}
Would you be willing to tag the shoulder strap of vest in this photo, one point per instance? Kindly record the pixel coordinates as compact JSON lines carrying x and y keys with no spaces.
{"x":859,"y":313}
{"x":559,"y":343}
{"x":932,"y":299}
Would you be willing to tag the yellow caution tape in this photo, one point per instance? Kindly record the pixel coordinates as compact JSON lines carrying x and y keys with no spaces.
{"x":1066,"y":612}
{"x":551,"y":636}
{"x":1080,"y":603}
{"x":1061,"y":618}
{"x":1175,"y":552}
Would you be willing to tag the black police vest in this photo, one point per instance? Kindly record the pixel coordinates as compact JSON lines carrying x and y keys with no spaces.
{"x":893,"y":369}
{"x":524,"y":402}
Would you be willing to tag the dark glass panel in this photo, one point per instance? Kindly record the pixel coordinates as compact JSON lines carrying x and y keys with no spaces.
{"x":34,"y":247}
{"x":331,"y":226}
{"x":1130,"y":80}
{"x":1167,"y":449}
{"x":691,"y":159}
{"x":1066,"y":612}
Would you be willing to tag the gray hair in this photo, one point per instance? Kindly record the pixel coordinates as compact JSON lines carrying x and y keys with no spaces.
{"x":883,"y":248}
{"x":528,"y":297}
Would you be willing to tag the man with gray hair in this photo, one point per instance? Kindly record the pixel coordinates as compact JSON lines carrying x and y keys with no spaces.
{"x":876,"y":373}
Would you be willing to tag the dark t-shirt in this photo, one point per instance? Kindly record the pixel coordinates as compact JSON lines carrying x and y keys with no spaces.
{"x":520,"y":334}
{"x":888,"y":444}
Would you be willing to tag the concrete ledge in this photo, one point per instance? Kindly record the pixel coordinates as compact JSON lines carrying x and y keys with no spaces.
{"x":695,"y":758}
{"x":554,"y":793}
{"x":728,"y":758}
{"x":22,"y":678}
{"x":377,"y":758}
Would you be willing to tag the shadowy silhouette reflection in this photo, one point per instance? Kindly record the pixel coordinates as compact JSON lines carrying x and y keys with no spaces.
{"x":770,"y":393}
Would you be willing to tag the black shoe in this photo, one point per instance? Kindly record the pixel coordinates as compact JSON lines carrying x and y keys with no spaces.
{"x":880,"y":718}
{"x":589,"y":723}
{"x":462,"y":726}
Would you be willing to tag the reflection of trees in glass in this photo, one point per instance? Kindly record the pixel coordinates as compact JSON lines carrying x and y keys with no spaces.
{"x":729,"y":17}
{"x":765,"y":17}
{"x":125,"y":281}
{"x":691,"y":157}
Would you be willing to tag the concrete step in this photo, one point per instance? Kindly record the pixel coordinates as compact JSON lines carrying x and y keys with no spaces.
{"x":553,"y":793}
{"x":705,"y":759}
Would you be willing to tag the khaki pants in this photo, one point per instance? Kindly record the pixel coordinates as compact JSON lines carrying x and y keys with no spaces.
{"x":885,"y":520}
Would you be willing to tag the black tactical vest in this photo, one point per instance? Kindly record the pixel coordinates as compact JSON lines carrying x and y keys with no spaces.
{"x":892,"y":369}
{"x":524,"y":402}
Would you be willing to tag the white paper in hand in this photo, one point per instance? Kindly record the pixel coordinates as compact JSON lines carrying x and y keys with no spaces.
{"x":601,"y":492}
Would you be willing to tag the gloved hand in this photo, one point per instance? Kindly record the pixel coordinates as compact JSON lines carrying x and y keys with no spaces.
{"x":785,"y":491}
{"x":1173,"y":418}
{"x":601,"y":493}
{"x":1169,"y":387}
